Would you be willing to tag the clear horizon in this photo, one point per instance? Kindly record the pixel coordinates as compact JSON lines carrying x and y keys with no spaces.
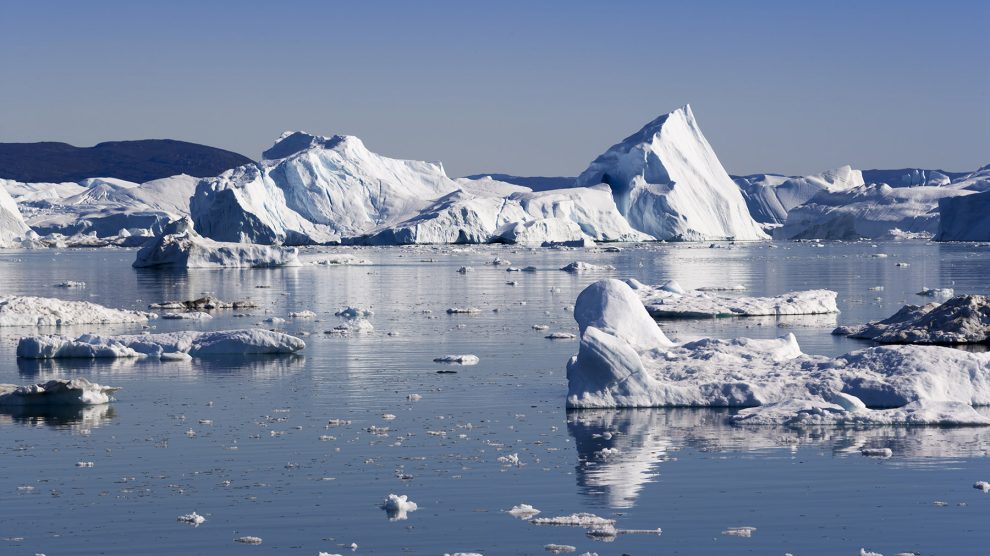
{"x":513,"y":88}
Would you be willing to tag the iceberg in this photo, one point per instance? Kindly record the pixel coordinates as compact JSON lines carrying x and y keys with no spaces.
{"x":625,"y":360}
{"x":668,"y":183}
{"x":670,"y":300}
{"x":19,"y":310}
{"x":12,"y":225}
{"x":159,"y":346}
{"x":180,"y":246}
{"x":965,"y":218}
{"x":964,"y":319}
{"x":770,"y":197}
{"x":56,"y":392}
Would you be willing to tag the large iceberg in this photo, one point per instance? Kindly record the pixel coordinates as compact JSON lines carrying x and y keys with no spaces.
{"x":480,"y":214}
{"x":669,"y":300}
{"x":668,"y":183}
{"x":12,"y":225}
{"x":311,"y":189}
{"x":180,"y":246}
{"x":170,"y":345}
{"x":625,"y":360}
{"x":964,"y":218}
{"x":770,"y":196}
{"x":876,"y":211}
{"x":103,"y":207}
{"x":18,"y":310}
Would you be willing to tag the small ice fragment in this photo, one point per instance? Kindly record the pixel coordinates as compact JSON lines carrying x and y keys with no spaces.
{"x":274,"y":320}
{"x":84,"y":464}
{"x":524,"y":511}
{"x":302,"y":315}
{"x":193,"y":519}
{"x":191,"y":315}
{"x":982,"y":485}
{"x":398,"y":506}
{"x":740,"y":531}
{"x":464,"y":359}
{"x":511,"y":459}
{"x":463,"y":310}
{"x":559,"y":548}
{"x":585,"y":520}
{"x":354,"y":313}
{"x":70,"y":284}
{"x":877,"y":452}
{"x":465,"y":269}
{"x":540,"y":327}
{"x":388,"y":417}
{"x":248,"y":540}
{"x":414,"y":397}
{"x":561,"y":336}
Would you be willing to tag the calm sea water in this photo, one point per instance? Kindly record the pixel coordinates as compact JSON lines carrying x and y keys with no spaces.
{"x":245,"y":441}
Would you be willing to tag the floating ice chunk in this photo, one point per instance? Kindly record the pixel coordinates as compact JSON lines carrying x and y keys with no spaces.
{"x":302,"y":315}
{"x":192,"y":343}
{"x":585,"y":520}
{"x":56,"y":392}
{"x":466,"y":359}
{"x":195,"y":315}
{"x":581,"y":266}
{"x":510,"y":459}
{"x":670,"y":300}
{"x":276,"y":321}
{"x":560,"y":336}
{"x":398,"y":506}
{"x":740,"y":531}
{"x":540,"y":327}
{"x":340,"y":259}
{"x":877,"y":452}
{"x":865,"y":552}
{"x":414,"y":397}
{"x":84,"y":464}
{"x":354,"y":313}
{"x":352,"y":326}
{"x":498,"y":261}
{"x":207,"y":303}
{"x":248,"y":540}
{"x":180,"y":246}
{"x":45,"y":311}
{"x":463,"y":310}
{"x":70,"y":284}
{"x":559,"y":548}
{"x":524,"y":511}
{"x":193,"y":519}
{"x":982,"y":485}
{"x":964,"y":319}
{"x":465,"y":269}
{"x":624,"y":360}
{"x":937,"y":292}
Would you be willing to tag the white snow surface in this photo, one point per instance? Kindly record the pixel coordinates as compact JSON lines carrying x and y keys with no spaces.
{"x":964,"y":319}
{"x":180,"y":246}
{"x":670,"y":300}
{"x":770,"y":197}
{"x":876,"y":211}
{"x":625,"y":360}
{"x":56,"y":392}
{"x":668,"y":183}
{"x":159,"y":346}
{"x":19,"y":310}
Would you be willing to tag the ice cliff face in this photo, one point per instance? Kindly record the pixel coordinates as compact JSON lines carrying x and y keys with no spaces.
{"x":770,"y":197}
{"x":315,"y":189}
{"x":12,"y":225}
{"x":667,"y":182}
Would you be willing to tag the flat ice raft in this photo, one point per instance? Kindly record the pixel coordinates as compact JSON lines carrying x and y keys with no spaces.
{"x":17,"y":310}
{"x":172,"y":345}
{"x":60,"y":392}
{"x":625,"y":360}
{"x":670,"y":300}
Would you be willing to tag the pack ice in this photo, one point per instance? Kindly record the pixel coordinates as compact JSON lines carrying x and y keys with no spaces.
{"x":670,"y":300}
{"x":171,"y":345}
{"x":625,"y":360}
{"x":18,"y":310}
{"x":180,"y":246}
{"x":668,"y":183}
{"x":62,"y":392}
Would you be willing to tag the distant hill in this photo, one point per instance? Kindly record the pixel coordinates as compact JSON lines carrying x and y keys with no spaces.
{"x":136,"y":161}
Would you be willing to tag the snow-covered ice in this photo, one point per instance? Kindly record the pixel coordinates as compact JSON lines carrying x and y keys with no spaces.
{"x":625,"y":360}
{"x":191,"y":343}
{"x":180,"y":246}
{"x":398,"y":507}
{"x":581,"y":266}
{"x":47,"y":311}
{"x":670,"y":300}
{"x":56,"y":392}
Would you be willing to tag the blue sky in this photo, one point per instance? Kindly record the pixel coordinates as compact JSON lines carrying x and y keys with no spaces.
{"x":531,"y":88}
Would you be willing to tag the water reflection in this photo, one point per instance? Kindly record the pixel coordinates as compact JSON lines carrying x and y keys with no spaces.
{"x":620,"y":451}
{"x":76,"y":418}
{"x":252,"y":366}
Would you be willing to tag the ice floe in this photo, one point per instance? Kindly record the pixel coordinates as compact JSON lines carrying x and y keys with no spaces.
{"x":398,"y":506}
{"x":458,"y":359}
{"x":191,"y":343}
{"x":56,"y":392}
{"x":581,"y":266}
{"x":670,"y":300}
{"x":625,"y":360}
{"x":47,"y":311}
